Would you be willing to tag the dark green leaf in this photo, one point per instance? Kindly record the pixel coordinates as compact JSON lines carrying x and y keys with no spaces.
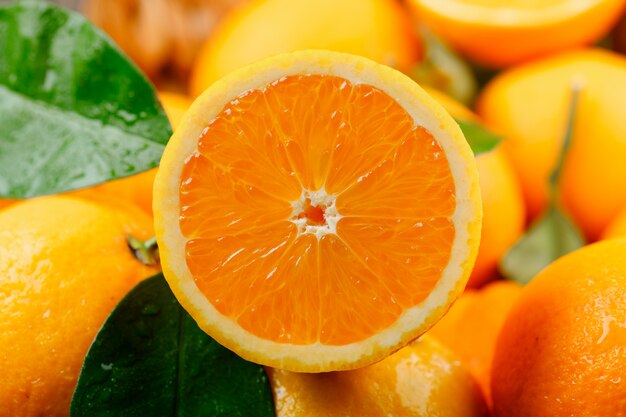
{"x":479,"y":138}
{"x":74,"y":111}
{"x":551,"y":237}
{"x":554,"y":234}
{"x":151,"y":359}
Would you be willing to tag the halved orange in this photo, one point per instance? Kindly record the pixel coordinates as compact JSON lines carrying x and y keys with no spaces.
{"x":503,"y":33}
{"x":316,"y":211}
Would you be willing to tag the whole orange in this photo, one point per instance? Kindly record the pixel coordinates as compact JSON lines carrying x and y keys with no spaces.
{"x":64,"y":265}
{"x":500,"y":33}
{"x":504,"y":212}
{"x":529,"y":105}
{"x":562,"y":349}
{"x":472,"y":325}
{"x":423,"y":379}
{"x":376,"y":29}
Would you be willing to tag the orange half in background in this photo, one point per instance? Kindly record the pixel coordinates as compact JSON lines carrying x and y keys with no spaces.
{"x":316,"y":211}
{"x":502,"y":33}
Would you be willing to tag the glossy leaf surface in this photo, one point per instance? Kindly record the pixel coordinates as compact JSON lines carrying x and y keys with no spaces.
{"x":151,"y":359}
{"x":74,"y":111}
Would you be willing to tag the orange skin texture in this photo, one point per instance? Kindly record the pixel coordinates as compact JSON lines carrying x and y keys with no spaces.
{"x":504,"y":212}
{"x":65,"y":263}
{"x":376,"y":29}
{"x":422,"y":379}
{"x":562,"y":349}
{"x":472,"y":325}
{"x":529,"y":105}
{"x":506,"y":43}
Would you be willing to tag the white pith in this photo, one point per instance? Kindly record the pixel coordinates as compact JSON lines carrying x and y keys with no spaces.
{"x":318,"y":357}
{"x":317,"y":198}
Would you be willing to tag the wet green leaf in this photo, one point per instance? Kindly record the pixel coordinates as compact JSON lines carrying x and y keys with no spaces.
{"x":479,"y":137}
{"x":74,"y":111}
{"x":551,"y":237}
{"x":151,"y":359}
{"x":554,"y":234}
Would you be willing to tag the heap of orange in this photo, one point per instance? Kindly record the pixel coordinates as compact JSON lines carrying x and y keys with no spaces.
{"x":504,"y":213}
{"x":316,"y":211}
{"x":423,"y":379}
{"x":529,"y":105}
{"x":499,"y":33}
{"x":472,"y":325}
{"x":562,"y":349}
{"x":375,"y":29}
{"x":65,"y":263}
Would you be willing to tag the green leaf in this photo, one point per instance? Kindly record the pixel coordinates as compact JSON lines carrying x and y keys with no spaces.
{"x":479,"y":138}
{"x":442,"y":68}
{"x":551,"y":237}
{"x":74,"y":111}
{"x":554,"y":234}
{"x":151,"y":359}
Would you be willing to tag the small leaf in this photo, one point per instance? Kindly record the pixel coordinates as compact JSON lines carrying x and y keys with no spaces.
{"x":479,"y":137}
{"x":74,"y":111}
{"x":554,"y":234}
{"x":151,"y":359}
{"x":551,"y":237}
{"x":443,"y":69}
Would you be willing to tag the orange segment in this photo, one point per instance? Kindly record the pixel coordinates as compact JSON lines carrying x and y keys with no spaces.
{"x":355,"y":302}
{"x":390,"y":169}
{"x":214,"y":204}
{"x":269,"y":272}
{"x":241,"y":141}
{"x":309,"y":137}
{"x":290,"y":286}
{"x":409,"y":254}
{"x":317,"y":211}
{"x":413,"y":182}
{"x":377,"y":125}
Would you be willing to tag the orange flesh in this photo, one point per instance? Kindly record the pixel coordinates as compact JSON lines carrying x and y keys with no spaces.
{"x":394,"y":195}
